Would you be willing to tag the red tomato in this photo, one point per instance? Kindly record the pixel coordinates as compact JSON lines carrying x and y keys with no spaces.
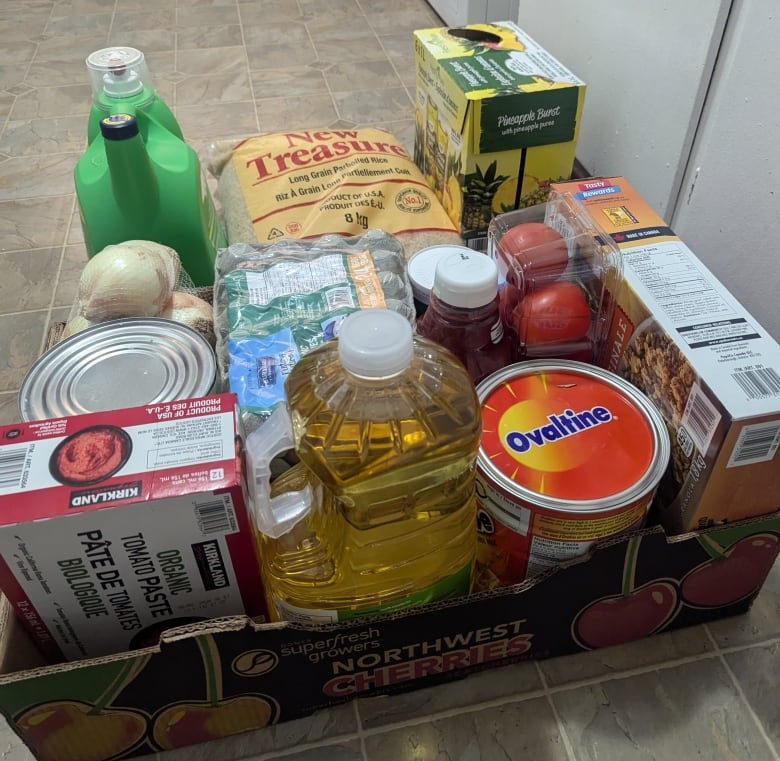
{"x":557,"y":313}
{"x":532,"y":251}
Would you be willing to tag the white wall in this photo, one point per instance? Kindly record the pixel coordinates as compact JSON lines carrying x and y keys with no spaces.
{"x":459,"y":12}
{"x":647,"y":66}
{"x":729,"y":210}
{"x":683,"y":100}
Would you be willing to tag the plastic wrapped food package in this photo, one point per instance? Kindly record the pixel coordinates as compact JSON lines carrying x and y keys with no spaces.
{"x":273,"y":304}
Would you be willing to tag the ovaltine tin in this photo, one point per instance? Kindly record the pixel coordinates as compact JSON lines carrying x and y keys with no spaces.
{"x":121,"y":363}
{"x":570,"y":454}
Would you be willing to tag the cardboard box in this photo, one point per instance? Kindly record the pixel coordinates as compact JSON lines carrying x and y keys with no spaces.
{"x":497,"y":118}
{"x":117,"y":525}
{"x":230,"y":675}
{"x":714,"y":372}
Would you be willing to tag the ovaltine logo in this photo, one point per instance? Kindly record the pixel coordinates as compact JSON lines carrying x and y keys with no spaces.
{"x":211,"y":565}
{"x":561,"y":426}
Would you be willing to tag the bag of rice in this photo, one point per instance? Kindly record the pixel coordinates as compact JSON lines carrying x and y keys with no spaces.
{"x":319,"y":182}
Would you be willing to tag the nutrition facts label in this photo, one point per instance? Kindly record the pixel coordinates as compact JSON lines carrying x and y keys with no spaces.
{"x":687,"y":295}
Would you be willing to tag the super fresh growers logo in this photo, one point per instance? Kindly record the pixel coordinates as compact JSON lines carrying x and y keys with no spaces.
{"x":561,"y":426}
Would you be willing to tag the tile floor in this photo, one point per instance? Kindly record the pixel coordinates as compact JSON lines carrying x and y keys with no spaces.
{"x":232,"y":69}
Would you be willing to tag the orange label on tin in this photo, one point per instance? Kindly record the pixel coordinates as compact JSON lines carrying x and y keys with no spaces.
{"x":566,"y":435}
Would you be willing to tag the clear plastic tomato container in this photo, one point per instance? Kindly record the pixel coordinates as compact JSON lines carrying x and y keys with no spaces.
{"x":558,"y":275}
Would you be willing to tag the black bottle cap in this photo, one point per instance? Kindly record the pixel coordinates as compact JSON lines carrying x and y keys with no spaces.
{"x":118,"y":127}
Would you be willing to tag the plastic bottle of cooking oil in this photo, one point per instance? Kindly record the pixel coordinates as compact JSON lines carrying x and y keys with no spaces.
{"x":387,"y":428}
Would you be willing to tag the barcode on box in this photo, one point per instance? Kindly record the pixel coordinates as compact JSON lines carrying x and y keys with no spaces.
{"x":759,"y":382}
{"x":756,"y":443}
{"x":12,"y":461}
{"x":700,"y":418}
{"x":216,"y":516}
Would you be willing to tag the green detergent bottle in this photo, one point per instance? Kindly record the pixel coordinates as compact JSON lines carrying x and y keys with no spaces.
{"x":147,"y":184}
{"x":121,"y":84}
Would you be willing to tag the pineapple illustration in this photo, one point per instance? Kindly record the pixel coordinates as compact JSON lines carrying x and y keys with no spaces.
{"x":478,"y":191}
{"x":538,"y":195}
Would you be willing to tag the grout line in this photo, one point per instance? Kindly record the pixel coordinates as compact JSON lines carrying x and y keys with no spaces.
{"x":361,"y":733}
{"x":564,"y":735}
{"x":759,"y":724}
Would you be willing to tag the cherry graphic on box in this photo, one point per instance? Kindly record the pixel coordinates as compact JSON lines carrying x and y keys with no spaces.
{"x":734,"y":573}
{"x":196,"y":721}
{"x":635,"y":613}
{"x":72,"y":730}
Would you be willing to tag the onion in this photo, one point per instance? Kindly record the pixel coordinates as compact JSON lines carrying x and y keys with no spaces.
{"x":166,"y":253}
{"x":74,"y":325}
{"x":132,"y":279}
{"x":191,"y":311}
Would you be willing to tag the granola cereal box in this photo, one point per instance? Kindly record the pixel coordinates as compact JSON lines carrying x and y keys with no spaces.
{"x":680,"y":336}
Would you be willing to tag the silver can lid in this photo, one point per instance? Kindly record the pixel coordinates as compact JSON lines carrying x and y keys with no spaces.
{"x":121,"y":363}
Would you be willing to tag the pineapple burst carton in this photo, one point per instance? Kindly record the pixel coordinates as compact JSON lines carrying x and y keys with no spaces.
{"x":497,"y":120}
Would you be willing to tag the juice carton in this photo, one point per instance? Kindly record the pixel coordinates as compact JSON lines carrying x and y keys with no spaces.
{"x":497,"y":119}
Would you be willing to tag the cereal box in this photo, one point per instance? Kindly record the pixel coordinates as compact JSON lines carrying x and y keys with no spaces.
{"x":714,"y":372}
{"x":117,"y":525}
{"x":497,"y":118}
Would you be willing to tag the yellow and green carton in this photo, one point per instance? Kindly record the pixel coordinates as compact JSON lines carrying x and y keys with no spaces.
{"x":497,"y":120}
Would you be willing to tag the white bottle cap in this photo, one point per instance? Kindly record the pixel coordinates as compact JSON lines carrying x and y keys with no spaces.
{"x":421,"y":268}
{"x":466,"y":279}
{"x":375,"y":343}
{"x":119,"y":72}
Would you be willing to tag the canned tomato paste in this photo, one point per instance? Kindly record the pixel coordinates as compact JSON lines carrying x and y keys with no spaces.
{"x":570,"y":454}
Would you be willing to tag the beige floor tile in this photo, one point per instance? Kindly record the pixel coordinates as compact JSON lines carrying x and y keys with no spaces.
{"x":22,"y":177}
{"x":9,"y":413}
{"x":21,"y":341}
{"x":212,"y":89}
{"x":757,"y":669}
{"x":29,"y":278}
{"x":287,"y":82}
{"x":374,"y":106}
{"x":34,"y":222}
{"x":217,"y":121}
{"x":691,"y":711}
{"x":284,"y":114}
{"x":520,"y":730}
{"x":37,"y":137}
{"x":196,"y":36}
{"x":51,"y":102}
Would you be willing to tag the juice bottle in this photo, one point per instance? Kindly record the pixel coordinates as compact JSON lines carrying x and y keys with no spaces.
{"x":387,"y":429}
{"x":135,"y":187}
{"x":463,"y":312}
{"x":121,"y":83}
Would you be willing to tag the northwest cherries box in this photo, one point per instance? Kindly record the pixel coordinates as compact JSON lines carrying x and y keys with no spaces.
{"x":115,"y":526}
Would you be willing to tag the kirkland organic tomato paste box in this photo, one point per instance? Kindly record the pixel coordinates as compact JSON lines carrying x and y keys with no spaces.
{"x":117,"y":525}
{"x":680,"y":336}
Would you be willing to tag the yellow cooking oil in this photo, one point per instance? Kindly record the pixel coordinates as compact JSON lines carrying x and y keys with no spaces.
{"x":387,"y":428}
